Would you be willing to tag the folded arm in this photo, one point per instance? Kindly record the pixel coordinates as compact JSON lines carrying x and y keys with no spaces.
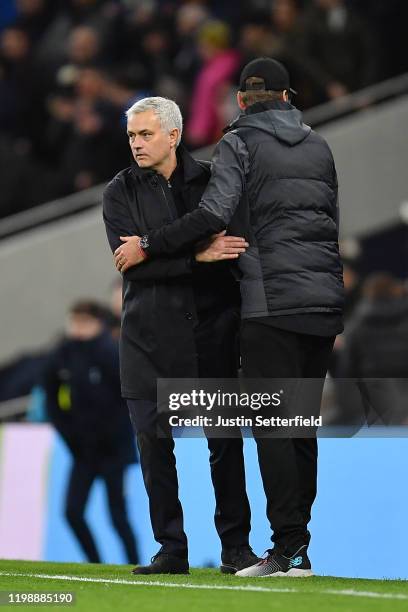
{"x":118,"y":223}
{"x":219,"y":202}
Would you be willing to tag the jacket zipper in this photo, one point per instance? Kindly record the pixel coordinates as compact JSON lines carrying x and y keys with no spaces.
{"x":166,"y":200}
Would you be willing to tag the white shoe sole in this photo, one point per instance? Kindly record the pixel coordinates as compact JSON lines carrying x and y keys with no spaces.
{"x":292,"y":573}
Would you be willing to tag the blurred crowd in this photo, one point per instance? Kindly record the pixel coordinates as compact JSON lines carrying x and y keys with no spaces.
{"x":70,"y":68}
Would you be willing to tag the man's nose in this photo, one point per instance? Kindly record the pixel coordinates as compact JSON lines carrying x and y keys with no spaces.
{"x":137,"y":143}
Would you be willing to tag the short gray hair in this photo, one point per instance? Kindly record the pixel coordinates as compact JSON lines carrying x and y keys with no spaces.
{"x":167,"y":110}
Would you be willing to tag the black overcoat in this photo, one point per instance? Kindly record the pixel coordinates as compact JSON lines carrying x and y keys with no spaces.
{"x":159,"y":315}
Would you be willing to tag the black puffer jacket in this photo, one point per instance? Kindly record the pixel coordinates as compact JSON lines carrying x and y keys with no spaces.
{"x":274,"y":181}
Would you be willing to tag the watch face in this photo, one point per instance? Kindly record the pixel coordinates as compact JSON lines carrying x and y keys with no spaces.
{"x":144,"y":242}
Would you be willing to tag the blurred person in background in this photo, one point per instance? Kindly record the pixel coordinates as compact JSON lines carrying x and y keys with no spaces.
{"x":147,"y":42}
{"x":83,"y":45}
{"x":190,"y":18}
{"x":21,"y":88}
{"x":22,"y":117}
{"x":87,"y":159}
{"x":81,"y":382}
{"x":86,"y":118}
{"x":256,"y":38}
{"x":180,"y":320}
{"x":33,"y":151}
{"x":376,"y":343}
{"x":105,"y":94}
{"x":376,"y":347}
{"x":341,"y":46}
{"x":100,"y":16}
{"x":220,"y":65}
{"x":288,"y":27}
{"x":83,"y":50}
{"x":34,"y":16}
{"x":279,"y":32}
{"x":123,"y":88}
{"x":157,"y":53}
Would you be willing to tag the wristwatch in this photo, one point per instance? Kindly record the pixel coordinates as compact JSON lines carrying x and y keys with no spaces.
{"x":144,"y":242}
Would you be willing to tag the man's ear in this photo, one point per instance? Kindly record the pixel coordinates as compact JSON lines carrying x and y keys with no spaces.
{"x":285,"y":95}
{"x":240,"y":101}
{"x":174,"y":134}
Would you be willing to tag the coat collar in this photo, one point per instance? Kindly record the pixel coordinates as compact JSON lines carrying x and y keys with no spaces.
{"x":191,"y":168}
{"x":259,"y":107}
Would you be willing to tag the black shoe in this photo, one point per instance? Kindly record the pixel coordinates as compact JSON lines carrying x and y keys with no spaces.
{"x":163,"y":563}
{"x":235,"y":559}
{"x":279,"y":565}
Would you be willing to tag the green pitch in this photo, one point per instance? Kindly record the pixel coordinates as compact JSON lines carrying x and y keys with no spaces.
{"x":112,"y":587}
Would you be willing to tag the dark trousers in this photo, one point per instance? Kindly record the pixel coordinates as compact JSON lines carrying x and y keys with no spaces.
{"x":158,"y":463}
{"x":288,"y":466}
{"x":216,"y":340}
{"x":80,"y":481}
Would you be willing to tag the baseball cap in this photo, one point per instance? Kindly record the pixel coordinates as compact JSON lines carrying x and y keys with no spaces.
{"x":274,"y":75}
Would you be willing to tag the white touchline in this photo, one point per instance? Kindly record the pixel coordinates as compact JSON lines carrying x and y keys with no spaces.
{"x":215,"y":587}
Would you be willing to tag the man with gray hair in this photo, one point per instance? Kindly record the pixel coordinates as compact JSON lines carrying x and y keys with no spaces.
{"x":179,"y":321}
